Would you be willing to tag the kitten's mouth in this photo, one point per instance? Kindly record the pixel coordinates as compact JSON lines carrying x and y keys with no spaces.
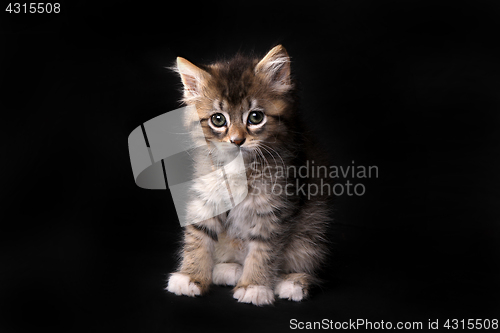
{"x":245,"y":150}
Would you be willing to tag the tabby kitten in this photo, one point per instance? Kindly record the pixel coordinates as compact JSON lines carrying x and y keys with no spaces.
{"x":272,"y":243}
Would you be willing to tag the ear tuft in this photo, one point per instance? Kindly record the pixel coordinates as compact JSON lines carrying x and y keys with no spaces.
{"x":192,"y":77}
{"x":275,"y":66}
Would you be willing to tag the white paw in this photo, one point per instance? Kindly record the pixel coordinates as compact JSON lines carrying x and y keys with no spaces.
{"x":289,"y":290}
{"x":180,"y":284}
{"x":227,"y":274}
{"x":258,"y":295}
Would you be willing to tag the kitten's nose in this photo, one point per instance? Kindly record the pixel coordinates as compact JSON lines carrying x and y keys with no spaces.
{"x":238,"y":141}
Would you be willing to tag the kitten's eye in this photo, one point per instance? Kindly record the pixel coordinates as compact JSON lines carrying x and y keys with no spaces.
{"x":255,"y":117}
{"x":218,"y":120}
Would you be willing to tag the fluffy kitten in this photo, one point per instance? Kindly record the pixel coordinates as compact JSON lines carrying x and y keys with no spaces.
{"x":272,"y":243}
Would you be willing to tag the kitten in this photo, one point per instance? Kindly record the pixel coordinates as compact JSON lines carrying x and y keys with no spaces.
{"x":272,"y":243}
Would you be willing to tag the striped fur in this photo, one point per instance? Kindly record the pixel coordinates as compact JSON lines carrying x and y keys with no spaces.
{"x":271,"y":243}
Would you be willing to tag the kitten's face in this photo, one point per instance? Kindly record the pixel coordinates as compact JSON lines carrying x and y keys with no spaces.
{"x":244,"y":101}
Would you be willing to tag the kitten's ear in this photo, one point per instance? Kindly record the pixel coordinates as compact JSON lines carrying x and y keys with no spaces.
{"x":192,"y":77}
{"x":276,"y":67}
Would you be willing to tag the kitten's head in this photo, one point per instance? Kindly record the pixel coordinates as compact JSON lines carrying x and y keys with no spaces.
{"x":244,"y":101}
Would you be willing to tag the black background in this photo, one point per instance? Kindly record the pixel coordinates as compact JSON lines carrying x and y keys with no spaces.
{"x":409,"y":86}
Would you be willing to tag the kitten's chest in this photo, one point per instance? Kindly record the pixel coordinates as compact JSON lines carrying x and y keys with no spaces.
{"x":249,"y":202}
{"x":253,"y":214}
{"x":239,"y":220}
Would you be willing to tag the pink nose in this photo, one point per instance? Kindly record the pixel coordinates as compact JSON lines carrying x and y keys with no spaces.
{"x":238,"y":141}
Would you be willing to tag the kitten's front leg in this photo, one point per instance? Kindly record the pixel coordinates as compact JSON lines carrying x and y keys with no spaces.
{"x":195,"y":274}
{"x":255,"y":284}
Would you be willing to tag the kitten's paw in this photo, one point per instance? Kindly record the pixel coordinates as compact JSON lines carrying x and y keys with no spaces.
{"x":258,"y":295}
{"x":181,"y":284}
{"x":227,"y":274}
{"x":290,"y":290}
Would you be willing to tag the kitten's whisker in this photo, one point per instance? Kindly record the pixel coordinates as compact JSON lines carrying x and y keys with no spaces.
{"x":285,"y":170}
{"x":275,"y":164}
{"x":270,"y":171}
{"x":278,"y":154}
{"x":266,"y":163}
